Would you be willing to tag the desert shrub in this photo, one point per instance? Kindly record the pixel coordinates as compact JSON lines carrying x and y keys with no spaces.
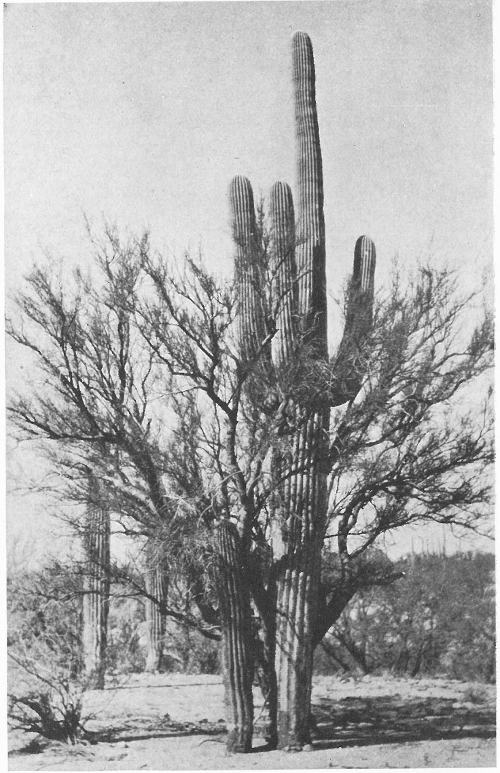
{"x":54,"y":712}
{"x":45,"y":662}
{"x":45,"y":694}
{"x":44,"y":615}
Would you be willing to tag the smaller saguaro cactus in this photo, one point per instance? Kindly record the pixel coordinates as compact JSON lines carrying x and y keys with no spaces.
{"x":156,"y":582}
{"x":96,"y":540}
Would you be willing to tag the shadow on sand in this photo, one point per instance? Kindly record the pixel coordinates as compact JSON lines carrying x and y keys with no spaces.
{"x":395,"y":719}
{"x":348,"y":722}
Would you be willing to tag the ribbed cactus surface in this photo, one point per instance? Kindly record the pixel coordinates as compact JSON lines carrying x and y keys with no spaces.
{"x":284,"y":290}
{"x":237,"y":651}
{"x":251,"y":322}
{"x":311,"y":221}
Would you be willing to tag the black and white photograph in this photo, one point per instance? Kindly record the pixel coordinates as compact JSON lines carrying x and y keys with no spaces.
{"x":249,"y":385}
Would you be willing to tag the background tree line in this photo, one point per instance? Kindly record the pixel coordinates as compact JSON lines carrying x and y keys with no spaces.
{"x":437,"y":620}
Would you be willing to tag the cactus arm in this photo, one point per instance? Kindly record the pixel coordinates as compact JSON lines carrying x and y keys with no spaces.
{"x":311,"y":222}
{"x":283,"y":273}
{"x":348,"y":367}
{"x":250,"y":316}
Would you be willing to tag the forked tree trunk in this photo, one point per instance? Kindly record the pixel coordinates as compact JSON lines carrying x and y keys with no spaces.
{"x":271,"y":732}
{"x":97,"y":584}
{"x":237,"y":644}
{"x":156,"y":581}
{"x":265,"y":671}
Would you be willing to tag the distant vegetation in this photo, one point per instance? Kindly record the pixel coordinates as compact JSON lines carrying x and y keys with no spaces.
{"x":438,"y":619}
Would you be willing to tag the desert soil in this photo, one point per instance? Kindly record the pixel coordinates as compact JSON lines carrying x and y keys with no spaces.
{"x":174,"y":722}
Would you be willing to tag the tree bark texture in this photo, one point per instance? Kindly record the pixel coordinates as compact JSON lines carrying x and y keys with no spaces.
{"x":237,"y":640}
{"x":96,"y":597}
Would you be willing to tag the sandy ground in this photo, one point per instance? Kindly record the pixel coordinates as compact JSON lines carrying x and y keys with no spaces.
{"x":174,"y":722}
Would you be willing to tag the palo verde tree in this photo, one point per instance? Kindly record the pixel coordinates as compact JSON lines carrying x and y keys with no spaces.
{"x":97,"y":411}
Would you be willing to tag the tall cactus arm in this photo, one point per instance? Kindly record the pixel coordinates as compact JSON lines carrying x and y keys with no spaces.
{"x":349,"y":366}
{"x":251,"y":320}
{"x":283,"y":273}
{"x":311,"y":231}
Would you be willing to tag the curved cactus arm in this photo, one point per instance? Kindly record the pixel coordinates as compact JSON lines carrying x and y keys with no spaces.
{"x":251,"y":320}
{"x":283,"y":273}
{"x":349,"y":367}
{"x":311,"y":221}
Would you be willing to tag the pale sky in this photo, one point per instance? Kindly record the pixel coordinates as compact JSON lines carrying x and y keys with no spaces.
{"x":142,"y":113}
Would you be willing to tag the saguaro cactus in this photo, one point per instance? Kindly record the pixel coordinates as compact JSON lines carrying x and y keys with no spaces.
{"x":300,"y":361}
{"x":97,"y":582}
{"x":156,"y":582}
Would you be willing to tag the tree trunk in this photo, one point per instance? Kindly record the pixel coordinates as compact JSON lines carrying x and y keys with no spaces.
{"x":156,"y":580}
{"x":237,"y":639}
{"x":297,"y":544}
{"x":96,"y":597}
{"x":265,"y":649}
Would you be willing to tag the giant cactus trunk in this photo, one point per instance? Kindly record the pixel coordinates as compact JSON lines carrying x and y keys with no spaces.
{"x":97,"y":585}
{"x":301,"y":519}
{"x":237,"y":649}
{"x":298,"y":539}
{"x":307,"y":385}
{"x":156,"y":582}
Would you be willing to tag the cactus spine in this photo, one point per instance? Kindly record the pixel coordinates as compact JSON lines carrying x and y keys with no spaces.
{"x":299,"y":356}
{"x":97,"y":583}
